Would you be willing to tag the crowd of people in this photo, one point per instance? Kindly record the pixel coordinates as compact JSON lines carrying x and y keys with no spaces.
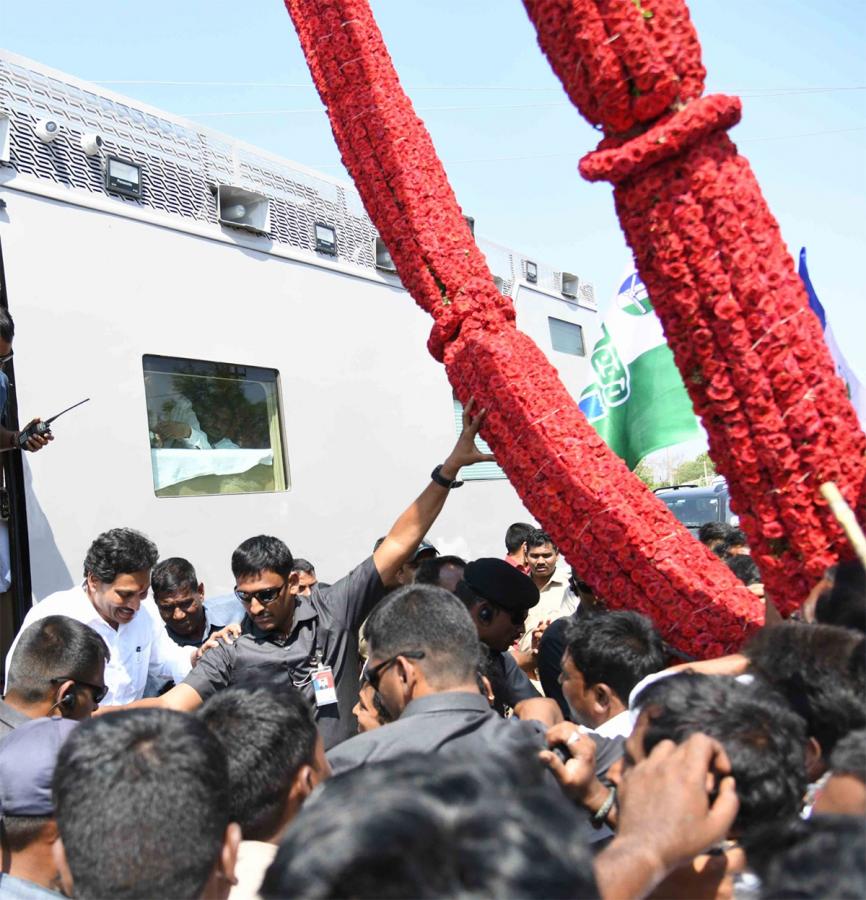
{"x":424,"y":726}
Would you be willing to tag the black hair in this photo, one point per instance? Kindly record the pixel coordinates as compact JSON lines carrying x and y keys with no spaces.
{"x":431,"y":619}
{"x":259,"y":554}
{"x":824,"y":856}
{"x":19,"y":832}
{"x":171,"y":576}
{"x":819,"y":670}
{"x":849,"y":755}
{"x":764,"y":739}
{"x":516,"y":536}
{"x":303,"y":565}
{"x":429,"y":569}
{"x":7,"y":326}
{"x":713,"y":531}
{"x":54,"y":647}
{"x":430,"y":826}
{"x":117,"y":552}
{"x":142,"y":801}
{"x":618,"y":649}
{"x":538,"y":538}
{"x":844,"y":604}
{"x":267,"y":735}
{"x":745,"y":568}
{"x":736,"y":537}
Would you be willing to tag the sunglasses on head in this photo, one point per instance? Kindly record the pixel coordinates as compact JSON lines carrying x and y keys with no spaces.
{"x":373,"y":674}
{"x":265,"y":596}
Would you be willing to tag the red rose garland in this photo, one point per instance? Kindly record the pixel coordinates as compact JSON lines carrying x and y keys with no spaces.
{"x":625,"y":543}
{"x":710,"y":253}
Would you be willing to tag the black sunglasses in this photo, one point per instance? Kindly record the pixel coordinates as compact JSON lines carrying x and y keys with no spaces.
{"x":99,"y":691}
{"x":374,"y":673}
{"x":265,"y":596}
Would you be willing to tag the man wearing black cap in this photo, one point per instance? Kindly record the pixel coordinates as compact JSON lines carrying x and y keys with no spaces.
{"x":27,"y":760}
{"x":499,"y":597}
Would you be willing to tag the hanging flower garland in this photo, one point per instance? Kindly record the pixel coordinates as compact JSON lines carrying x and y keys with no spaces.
{"x":624,"y":542}
{"x":710,"y":253}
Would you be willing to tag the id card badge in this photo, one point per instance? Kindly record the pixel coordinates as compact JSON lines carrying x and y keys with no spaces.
{"x":324,"y":686}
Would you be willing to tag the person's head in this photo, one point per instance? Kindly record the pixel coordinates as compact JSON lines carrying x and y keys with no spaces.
{"x":117,"y":573}
{"x":745,"y":568}
{"x":265,"y":582}
{"x":7,"y":334}
{"x":274,"y":751}
{"x":498,"y":598}
{"x":306,"y":576}
{"x":369,"y":710}
{"x":58,"y":668}
{"x":542,"y":555}
{"x":733,"y":544}
{"x":515,"y":538}
{"x":819,"y":670}
{"x":421,"y":641}
{"x":605,"y":657}
{"x":844,"y":602}
{"x":179,"y":596}
{"x":443,"y":571}
{"x":142,"y":800}
{"x":712,"y":534}
{"x":763,"y":738}
{"x":844,"y":793}
{"x":28,"y":757}
{"x":431,"y":826}
{"x":406,"y":572}
{"x":824,"y":856}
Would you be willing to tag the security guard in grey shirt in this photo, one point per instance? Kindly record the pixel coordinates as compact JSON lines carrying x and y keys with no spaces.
{"x":423,"y":663}
{"x":312,"y":642}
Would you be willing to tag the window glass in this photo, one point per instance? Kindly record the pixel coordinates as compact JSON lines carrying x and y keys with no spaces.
{"x":694,"y":511}
{"x":566,"y":337}
{"x":483,"y":471}
{"x":213,"y":428}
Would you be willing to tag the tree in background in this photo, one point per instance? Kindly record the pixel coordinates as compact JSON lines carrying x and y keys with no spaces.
{"x":699,"y":470}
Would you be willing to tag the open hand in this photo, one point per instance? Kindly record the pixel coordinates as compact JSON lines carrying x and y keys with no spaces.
{"x":465,"y":452}
{"x":226,"y":635}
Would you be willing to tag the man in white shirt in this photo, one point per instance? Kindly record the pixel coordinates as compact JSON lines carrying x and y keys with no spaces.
{"x":542,"y":558}
{"x":116,"y":582}
{"x":605,"y":657}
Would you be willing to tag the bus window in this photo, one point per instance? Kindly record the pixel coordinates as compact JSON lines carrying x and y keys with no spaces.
{"x":213,"y":428}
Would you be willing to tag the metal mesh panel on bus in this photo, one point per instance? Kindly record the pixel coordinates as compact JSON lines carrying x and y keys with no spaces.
{"x":181,"y":163}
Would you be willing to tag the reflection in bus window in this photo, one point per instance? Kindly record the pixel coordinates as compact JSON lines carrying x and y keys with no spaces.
{"x":213,"y":428}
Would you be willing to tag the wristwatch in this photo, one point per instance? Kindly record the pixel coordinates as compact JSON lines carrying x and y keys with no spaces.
{"x":436,"y":475}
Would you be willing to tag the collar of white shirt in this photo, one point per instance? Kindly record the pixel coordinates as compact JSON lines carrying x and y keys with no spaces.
{"x":618,"y":726}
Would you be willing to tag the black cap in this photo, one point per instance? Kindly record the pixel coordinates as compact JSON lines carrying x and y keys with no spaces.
{"x":501,"y":584}
{"x":425,"y":547}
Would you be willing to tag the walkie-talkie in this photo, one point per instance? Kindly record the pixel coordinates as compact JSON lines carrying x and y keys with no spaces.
{"x":43,"y":428}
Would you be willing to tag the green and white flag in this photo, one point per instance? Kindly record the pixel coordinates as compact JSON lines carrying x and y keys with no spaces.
{"x":638,"y":402}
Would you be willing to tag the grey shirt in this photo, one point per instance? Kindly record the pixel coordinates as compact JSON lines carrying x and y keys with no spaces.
{"x":453,"y":722}
{"x":325,"y":627}
{"x":10,"y":718}
{"x":458,"y":722}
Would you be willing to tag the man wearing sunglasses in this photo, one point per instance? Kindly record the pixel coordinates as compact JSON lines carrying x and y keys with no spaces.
{"x":423,"y":664}
{"x":58,"y":670}
{"x":311,"y":642}
{"x":9,"y":439}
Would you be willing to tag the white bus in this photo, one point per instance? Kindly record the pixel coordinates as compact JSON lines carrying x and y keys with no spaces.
{"x":253,"y":363}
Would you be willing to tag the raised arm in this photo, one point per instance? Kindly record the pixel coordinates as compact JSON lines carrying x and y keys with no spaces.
{"x":409,"y":530}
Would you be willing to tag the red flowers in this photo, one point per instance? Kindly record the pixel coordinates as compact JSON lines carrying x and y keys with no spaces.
{"x":734,"y":310}
{"x":622,"y":540}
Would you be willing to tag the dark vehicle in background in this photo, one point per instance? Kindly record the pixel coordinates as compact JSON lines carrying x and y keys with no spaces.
{"x":693,"y":505}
